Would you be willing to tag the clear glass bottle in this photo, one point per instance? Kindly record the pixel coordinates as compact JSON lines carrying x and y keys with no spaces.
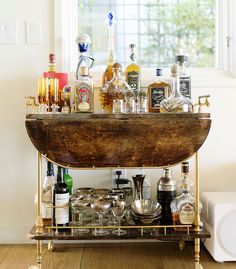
{"x":166,"y":192}
{"x":116,"y":96}
{"x":133,"y":72}
{"x":183,"y":206}
{"x":47,"y":195}
{"x":157,"y":91}
{"x":176,"y":103}
{"x":185,"y":79}
{"x":83,"y":92}
{"x":108,"y":74}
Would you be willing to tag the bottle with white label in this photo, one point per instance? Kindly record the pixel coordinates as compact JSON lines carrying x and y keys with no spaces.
{"x":47,"y":195}
{"x":60,"y":201}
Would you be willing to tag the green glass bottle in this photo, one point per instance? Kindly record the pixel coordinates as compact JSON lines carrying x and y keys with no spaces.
{"x":68,"y":180}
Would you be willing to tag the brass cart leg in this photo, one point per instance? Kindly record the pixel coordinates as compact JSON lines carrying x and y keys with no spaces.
{"x":197,"y":253}
{"x":50,"y":245}
{"x":39,"y":254}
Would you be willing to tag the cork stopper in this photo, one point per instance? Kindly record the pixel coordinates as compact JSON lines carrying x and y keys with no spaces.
{"x":175,"y":70}
{"x":84,"y":71}
{"x":117,"y":67}
{"x":52,"y":58}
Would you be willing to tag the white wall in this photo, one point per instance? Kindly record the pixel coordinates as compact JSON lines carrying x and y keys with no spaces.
{"x":21,"y":65}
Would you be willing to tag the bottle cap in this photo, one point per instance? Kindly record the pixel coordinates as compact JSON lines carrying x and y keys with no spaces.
{"x":117,"y":66}
{"x":159,"y":72}
{"x":84,"y":70}
{"x":185,"y":167}
{"x":181,"y":58}
{"x":52,"y":58}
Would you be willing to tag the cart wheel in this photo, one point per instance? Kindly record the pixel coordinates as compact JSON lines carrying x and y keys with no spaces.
{"x":181,"y":244}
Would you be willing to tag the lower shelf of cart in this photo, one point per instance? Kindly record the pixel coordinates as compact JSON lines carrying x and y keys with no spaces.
{"x":132,"y":232}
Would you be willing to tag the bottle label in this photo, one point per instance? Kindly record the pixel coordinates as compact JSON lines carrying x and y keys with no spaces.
{"x":62,"y":213}
{"x":134,"y":81}
{"x":156,"y":96}
{"x":83,"y":97}
{"x":186,"y":214}
{"x":46,"y":203}
{"x":185,"y":86}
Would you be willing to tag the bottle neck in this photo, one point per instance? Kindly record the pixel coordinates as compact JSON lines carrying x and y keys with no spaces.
{"x":110,"y":46}
{"x":176,"y":87}
{"x":158,"y":78}
{"x":116,"y":75}
{"x":182,"y":68}
{"x":52,"y":67}
{"x":59,"y":176}
{"x":50,"y":170}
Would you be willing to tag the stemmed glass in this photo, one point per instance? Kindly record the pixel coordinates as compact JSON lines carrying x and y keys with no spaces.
{"x":54,"y":88}
{"x":118,"y":211}
{"x":101,"y":207}
{"x":80,"y":206}
{"x":65,"y":96}
{"x":43,"y":94}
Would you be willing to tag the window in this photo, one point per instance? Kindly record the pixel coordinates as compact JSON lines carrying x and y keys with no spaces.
{"x":159,"y":28}
{"x":210,"y":45}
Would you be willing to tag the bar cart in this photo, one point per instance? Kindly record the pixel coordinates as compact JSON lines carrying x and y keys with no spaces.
{"x":93,"y":141}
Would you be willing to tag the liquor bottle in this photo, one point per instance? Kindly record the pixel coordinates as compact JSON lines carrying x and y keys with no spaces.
{"x":116,"y":96}
{"x":52,"y":63}
{"x":133,"y":72}
{"x":176,"y":103}
{"x":83,"y":92}
{"x":166,"y":192}
{"x":83,"y":41}
{"x":68,"y":180}
{"x":47,"y":195}
{"x":185,"y":79}
{"x":61,"y":199}
{"x":157,"y":91}
{"x":182,"y":207}
{"x":108,"y":74}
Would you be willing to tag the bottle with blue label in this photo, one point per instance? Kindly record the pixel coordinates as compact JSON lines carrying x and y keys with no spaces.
{"x":157,"y":91}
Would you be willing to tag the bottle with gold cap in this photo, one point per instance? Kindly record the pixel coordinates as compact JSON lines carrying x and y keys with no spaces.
{"x":116,"y":96}
{"x":83,"y":92}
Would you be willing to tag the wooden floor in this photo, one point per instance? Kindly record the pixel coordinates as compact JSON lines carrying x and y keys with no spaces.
{"x":109,"y":256}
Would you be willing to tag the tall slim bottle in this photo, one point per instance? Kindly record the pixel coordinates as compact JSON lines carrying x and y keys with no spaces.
{"x":133,"y":72}
{"x":108,"y":74}
{"x":47,"y":195}
{"x":60,"y":198}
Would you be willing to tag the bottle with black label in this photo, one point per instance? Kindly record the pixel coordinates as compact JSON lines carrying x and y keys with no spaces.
{"x":133,"y":72}
{"x":60,"y":200}
{"x":166,"y":192}
{"x":185,"y":79}
{"x":157,"y":91}
{"x":47,"y":195}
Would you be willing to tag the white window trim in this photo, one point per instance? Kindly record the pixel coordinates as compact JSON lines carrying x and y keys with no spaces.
{"x":223,"y":75}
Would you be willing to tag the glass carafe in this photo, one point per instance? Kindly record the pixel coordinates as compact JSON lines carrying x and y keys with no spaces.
{"x":176,"y":102}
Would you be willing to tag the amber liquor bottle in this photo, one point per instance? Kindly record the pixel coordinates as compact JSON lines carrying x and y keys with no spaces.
{"x":60,"y":201}
{"x":133,"y":72}
{"x":108,"y":74}
{"x":157,"y":91}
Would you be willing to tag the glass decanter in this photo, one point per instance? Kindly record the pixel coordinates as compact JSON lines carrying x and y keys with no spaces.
{"x":116,"y":96}
{"x":176,"y":103}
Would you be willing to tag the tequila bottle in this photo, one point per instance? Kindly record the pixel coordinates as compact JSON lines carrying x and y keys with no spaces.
{"x":133,"y":72}
{"x":185,"y":79}
{"x":183,"y":207}
{"x":83,"y":93}
{"x":157,"y":91}
{"x":116,"y":96}
{"x":108,"y":74}
{"x":176,"y":103}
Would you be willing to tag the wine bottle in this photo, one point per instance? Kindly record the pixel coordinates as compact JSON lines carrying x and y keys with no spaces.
{"x":47,"y":195}
{"x":68,"y":180}
{"x":61,"y":199}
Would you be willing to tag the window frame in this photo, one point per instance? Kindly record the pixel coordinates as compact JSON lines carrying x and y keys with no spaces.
{"x":65,"y":21}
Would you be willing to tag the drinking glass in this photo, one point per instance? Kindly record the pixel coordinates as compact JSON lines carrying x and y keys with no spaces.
{"x":80,"y":207}
{"x":101,"y":207}
{"x":118,"y":211}
{"x":43,"y":95}
{"x":54,"y":89}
